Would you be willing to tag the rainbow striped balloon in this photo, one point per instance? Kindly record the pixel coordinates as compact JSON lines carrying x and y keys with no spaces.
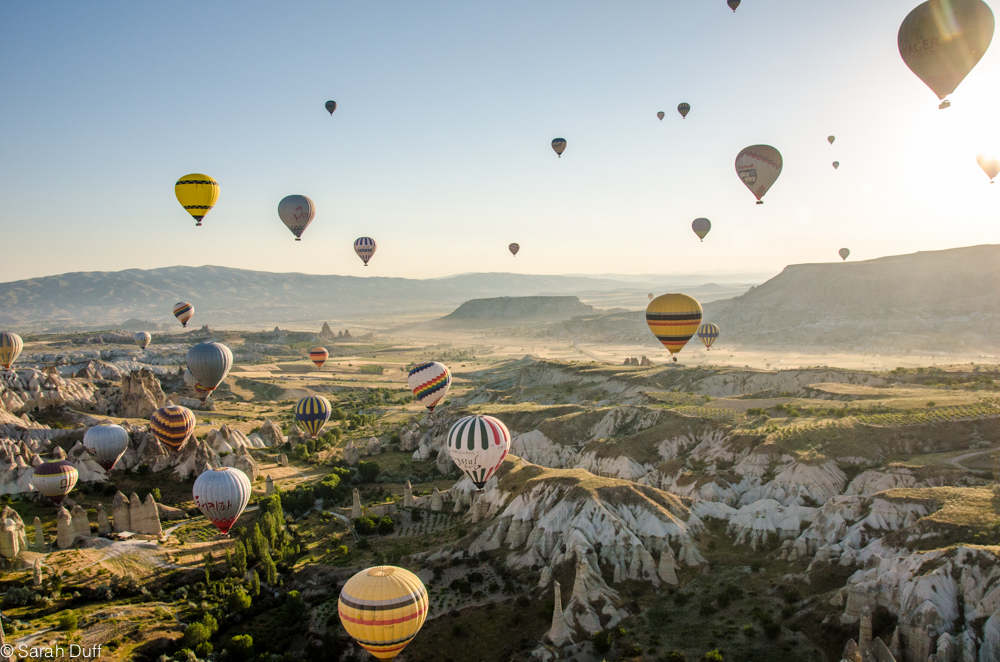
{"x":318,"y":355}
{"x":10,"y":348}
{"x":430,"y":383}
{"x":673,"y":319}
{"x":383,"y":609}
{"x":55,"y":479}
{"x":312,"y":412}
{"x":172,"y":425}
{"x":365,"y":248}
{"x":183,"y":311}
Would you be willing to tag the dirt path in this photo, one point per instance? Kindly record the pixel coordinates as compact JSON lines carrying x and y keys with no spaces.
{"x":957,"y":461}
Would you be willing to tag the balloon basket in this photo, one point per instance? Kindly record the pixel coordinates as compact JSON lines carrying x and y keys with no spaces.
{"x":760,"y":202}
{"x":944,"y":104}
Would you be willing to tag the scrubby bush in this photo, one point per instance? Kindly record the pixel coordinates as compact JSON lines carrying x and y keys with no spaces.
{"x":386,"y":525}
{"x":712,"y":656}
{"x":368,"y":471}
{"x":238,"y":601}
{"x":240,"y":648}
{"x":195,"y":635}
{"x":602,"y":641}
{"x":364,"y":526}
{"x":68,"y":621}
{"x":18,"y":596}
{"x":674,"y":656}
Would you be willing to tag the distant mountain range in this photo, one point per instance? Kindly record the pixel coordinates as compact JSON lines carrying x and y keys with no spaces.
{"x":514,"y":311}
{"x":255,"y":298}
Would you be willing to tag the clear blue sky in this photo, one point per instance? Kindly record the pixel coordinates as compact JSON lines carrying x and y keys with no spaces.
{"x":440,"y":147}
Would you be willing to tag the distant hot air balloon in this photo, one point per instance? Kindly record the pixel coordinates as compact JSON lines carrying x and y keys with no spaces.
{"x":990,"y":165}
{"x":733,"y":4}
{"x":673,"y":319}
{"x":559,"y":145}
{"x":142,"y":339}
{"x":660,"y":115}
{"x":331,"y":106}
{"x":844,"y":252}
{"x":312,"y":412}
{"x":836,"y":164}
{"x":197,"y":193}
{"x":222,"y":494}
{"x":478,"y":445}
{"x":701,"y":227}
{"x":942,"y":40}
{"x":383,"y":608}
{"x":296,"y":212}
{"x":430,"y":383}
{"x":10,"y":348}
{"x":365,"y":248}
{"x":684,"y":109}
{"x":209,"y":362}
{"x":172,"y":425}
{"x":319,"y":355}
{"x":830,"y":139}
{"x":55,"y":479}
{"x":650,"y":295}
{"x":708,"y":333}
{"x":514,"y":248}
{"x":758,"y":167}
{"x":183,"y":311}
{"x":107,"y":443}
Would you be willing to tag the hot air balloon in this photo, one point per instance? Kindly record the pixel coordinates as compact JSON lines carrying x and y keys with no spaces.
{"x":209,"y":362}
{"x":559,"y":145}
{"x":758,"y":167}
{"x":990,"y":165}
{"x":733,"y":4}
{"x":55,"y":479}
{"x":844,"y":252}
{"x":684,"y":109}
{"x":430,"y":383}
{"x":142,"y":339}
{"x":478,"y":445}
{"x":708,"y":333}
{"x":331,"y":106}
{"x":660,"y":115}
{"x":514,"y":248}
{"x":383,"y":608}
{"x":942,"y":40}
{"x":183,"y":311}
{"x":836,"y":164}
{"x":650,"y":295}
{"x":673,"y":319}
{"x":318,"y":355}
{"x":222,"y":494}
{"x":365,"y":248}
{"x":197,"y":193}
{"x":172,"y":425}
{"x":296,"y":212}
{"x":107,"y":443}
{"x":830,"y":139}
{"x":312,"y":412}
{"x":10,"y":348}
{"x":701,"y":227}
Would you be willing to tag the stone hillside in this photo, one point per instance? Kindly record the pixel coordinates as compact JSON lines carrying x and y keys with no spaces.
{"x":511,"y":311}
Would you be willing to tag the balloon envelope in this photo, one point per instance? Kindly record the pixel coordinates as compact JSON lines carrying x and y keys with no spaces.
{"x":296,"y":212}
{"x":312,"y":412}
{"x":684,"y":109}
{"x":830,"y":139}
{"x":673,"y":319}
{"x":844,"y":252}
{"x":660,"y":115}
{"x":942,"y":40}
{"x":107,"y":443}
{"x":222,"y":494}
{"x":172,"y":425}
{"x":650,"y":295}
{"x":318,"y":355}
{"x":733,"y":4}
{"x":383,"y":608}
{"x":10,"y":348}
{"x":478,"y":446}
{"x":430,"y":383}
{"x":55,"y":479}
{"x":701,"y":227}
{"x":365,"y":248}
{"x":758,"y":167}
{"x":331,"y":106}
{"x":197,"y":193}
{"x":514,"y":248}
{"x":183,"y":311}
{"x":708,"y":333}
{"x":209,"y":362}
{"x":559,"y":145}
{"x":142,"y":339}
{"x":990,"y":165}
{"x":836,"y":164}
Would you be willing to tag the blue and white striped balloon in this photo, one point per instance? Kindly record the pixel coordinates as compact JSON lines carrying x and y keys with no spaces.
{"x":365,"y":248}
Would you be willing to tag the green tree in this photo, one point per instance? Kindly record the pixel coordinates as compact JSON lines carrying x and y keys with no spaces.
{"x":712,"y":656}
{"x":207,"y":558}
{"x":238,"y":601}
{"x":269,"y":569}
{"x":254,"y":583}
{"x":195,"y":634}
{"x":68,"y":621}
{"x":240,"y":647}
{"x":238,"y":565}
{"x":368,"y":471}
{"x":674,"y":656}
{"x":364,"y":526}
{"x":295,"y":607}
{"x":602,"y":641}
{"x":258,"y":542}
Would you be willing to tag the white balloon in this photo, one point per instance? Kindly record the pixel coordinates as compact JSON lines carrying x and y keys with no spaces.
{"x":222,"y":494}
{"x":478,"y":446}
{"x":107,"y":443}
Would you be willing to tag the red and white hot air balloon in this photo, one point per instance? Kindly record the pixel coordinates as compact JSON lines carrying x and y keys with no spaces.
{"x":222,"y":494}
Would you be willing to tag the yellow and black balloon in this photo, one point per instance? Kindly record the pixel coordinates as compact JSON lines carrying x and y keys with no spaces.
{"x":197,"y":193}
{"x":673,"y":319}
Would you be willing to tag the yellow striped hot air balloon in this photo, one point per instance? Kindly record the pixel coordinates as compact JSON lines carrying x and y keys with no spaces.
{"x":673,"y":319}
{"x":383,"y":608}
{"x":197,"y":193}
{"x":10,"y":348}
{"x":312,"y":412}
{"x":172,"y":425}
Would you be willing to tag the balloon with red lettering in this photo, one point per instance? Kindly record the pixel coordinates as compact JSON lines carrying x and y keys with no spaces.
{"x":758,"y":167}
{"x":990,"y":165}
{"x":942,"y":40}
{"x":478,"y":446}
{"x":684,"y":109}
{"x":107,"y":443}
{"x":296,"y":212}
{"x":843,"y":253}
{"x":222,"y":494}
{"x":559,"y":146}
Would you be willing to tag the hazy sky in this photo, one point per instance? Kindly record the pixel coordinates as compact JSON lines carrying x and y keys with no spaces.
{"x":440,"y":147}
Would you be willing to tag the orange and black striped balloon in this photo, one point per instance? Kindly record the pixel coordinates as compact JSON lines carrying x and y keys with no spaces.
{"x":673,"y":319}
{"x":172,"y":425}
{"x":319,"y":355}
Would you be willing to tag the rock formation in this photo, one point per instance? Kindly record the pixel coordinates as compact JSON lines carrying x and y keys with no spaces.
{"x":351,"y":454}
{"x":141,"y":394}
{"x":103,"y":523}
{"x":146,"y":517}
{"x":271,"y":434}
{"x":64,"y":529}
{"x":36,"y":573}
{"x":246,"y":464}
{"x":39,"y":533}
{"x":283,"y":460}
{"x":559,"y":633}
{"x":12,"y":535}
{"x":437,"y":501}
{"x":374,"y":446}
{"x":121,"y":513}
{"x":667,"y":570}
{"x":80,"y":523}
{"x":356,"y":505}
{"x":408,"y":501}
{"x":268,"y":486}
